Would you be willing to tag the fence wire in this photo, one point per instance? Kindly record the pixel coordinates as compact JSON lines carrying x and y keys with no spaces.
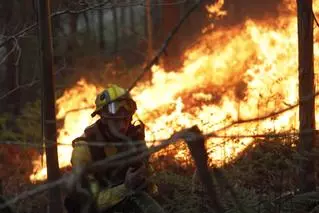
{"x":128,"y":157}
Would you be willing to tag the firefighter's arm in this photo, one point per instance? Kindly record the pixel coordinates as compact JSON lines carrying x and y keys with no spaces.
{"x":110,"y":197}
{"x":81,"y":155}
{"x":105,"y":198}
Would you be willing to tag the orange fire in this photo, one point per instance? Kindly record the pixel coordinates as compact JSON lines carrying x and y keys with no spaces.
{"x":242,"y":72}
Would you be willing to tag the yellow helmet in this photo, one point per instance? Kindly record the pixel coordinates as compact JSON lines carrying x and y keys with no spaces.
{"x":112,"y":99}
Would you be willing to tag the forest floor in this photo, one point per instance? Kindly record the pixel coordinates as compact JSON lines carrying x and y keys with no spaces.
{"x":266,"y":169}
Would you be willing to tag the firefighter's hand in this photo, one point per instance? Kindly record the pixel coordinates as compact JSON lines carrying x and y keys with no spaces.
{"x":135,"y":178}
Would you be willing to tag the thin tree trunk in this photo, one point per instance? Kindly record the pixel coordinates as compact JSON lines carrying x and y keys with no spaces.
{"x":123,"y":22}
{"x":306,"y":91}
{"x":149,"y":35}
{"x":72,"y":43}
{"x":149,"y":30}
{"x":132,"y":18}
{"x":101,"y":28}
{"x":87,"y":22}
{"x":171,"y":16}
{"x":73,"y":25}
{"x":48,"y":104}
{"x":24,"y":11}
{"x":145,"y":22}
{"x":115,"y":29}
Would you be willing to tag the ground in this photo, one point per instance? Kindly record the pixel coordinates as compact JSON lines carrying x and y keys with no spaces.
{"x":262,"y":172}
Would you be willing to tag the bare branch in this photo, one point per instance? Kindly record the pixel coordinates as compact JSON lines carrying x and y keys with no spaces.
{"x":164,"y":45}
{"x":9,"y":53}
{"x":142,"y":4}
{"x":18,"y":34}
{"x":91,"y":7}
{"x":34,"y":25}
{"x":30,"y":84}
{"x":315,"y":18}
{"x":68,"y":11}
{"x":114,"y":143}
{"x":16,"y":63}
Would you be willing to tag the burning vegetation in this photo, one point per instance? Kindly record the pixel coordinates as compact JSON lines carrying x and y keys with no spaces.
{"x":233,"y":74}
{"x":238,"y":83}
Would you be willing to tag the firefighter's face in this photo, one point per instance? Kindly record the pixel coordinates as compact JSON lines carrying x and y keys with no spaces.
{"x":119,"y":121}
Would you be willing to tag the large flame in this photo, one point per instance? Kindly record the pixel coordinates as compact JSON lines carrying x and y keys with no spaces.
{"x":238,"y":73}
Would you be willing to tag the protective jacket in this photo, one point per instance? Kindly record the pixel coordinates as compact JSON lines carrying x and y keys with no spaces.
{"x":108,"y":187}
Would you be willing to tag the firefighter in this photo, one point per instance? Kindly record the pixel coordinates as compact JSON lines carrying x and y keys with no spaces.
{"x":121,"y":189}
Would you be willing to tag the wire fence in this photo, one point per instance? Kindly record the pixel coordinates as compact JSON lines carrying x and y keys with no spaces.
{"x":128,"y":157}
{"x":278,"y":200}
{"x":114,"y":161}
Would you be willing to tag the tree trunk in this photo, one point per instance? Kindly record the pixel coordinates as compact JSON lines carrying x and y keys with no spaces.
{"x":156,"y":17}
{"x":171,"y":16}
{"x":87,"y":22}
{"x":306,"y":92}
{"x":115,"y":29}
{"x":101,"y":27}
{"x":149,"y":30}
{"x":132,"y":18}
{"x":72,"y":43}
{"x":73,"y":25}
{"x":149,"y":35}
{"x":48,"y":104}
{"x":122,"y":23}
{"x":24,"y":10}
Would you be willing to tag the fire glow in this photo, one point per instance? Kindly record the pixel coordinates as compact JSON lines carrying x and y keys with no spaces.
{"x":232,"y":74}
